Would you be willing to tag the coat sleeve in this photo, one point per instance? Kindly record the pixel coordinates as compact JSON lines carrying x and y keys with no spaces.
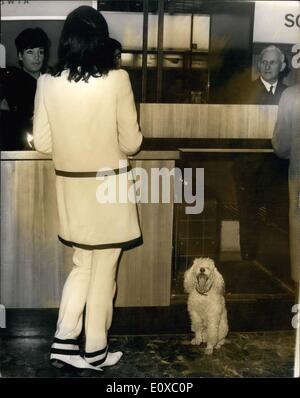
{"x":41,"y":127}
{"x":129,"y":134}
{"x":281,"y":139}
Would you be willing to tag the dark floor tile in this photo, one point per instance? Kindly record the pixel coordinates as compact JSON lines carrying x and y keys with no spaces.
{"x":268,"y":354}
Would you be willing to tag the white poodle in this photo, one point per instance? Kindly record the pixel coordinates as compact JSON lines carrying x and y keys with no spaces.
{"x":206,"y":303}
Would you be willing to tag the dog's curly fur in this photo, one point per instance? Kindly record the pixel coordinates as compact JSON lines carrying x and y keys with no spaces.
{"x":206,"y":303}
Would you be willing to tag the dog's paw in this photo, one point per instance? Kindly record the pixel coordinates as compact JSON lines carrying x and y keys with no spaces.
{"x":208,"y":350}
{"x":220,"y":343}
{"x":196,"y":341}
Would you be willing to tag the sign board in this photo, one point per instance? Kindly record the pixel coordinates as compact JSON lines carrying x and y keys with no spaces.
{"x":277,"y":22}
{"x":34,"y":9}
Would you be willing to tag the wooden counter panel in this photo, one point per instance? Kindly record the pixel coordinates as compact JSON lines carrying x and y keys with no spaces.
{"x":145,"y":273}
{"x":208,"y":121}
{"x":34,"y":264}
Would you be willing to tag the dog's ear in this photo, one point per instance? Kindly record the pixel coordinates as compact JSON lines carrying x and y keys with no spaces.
{"x":219,"y":283}
{"x":189,"y":280}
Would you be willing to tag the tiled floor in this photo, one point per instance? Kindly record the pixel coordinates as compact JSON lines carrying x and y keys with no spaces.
{"x":260,"y":354}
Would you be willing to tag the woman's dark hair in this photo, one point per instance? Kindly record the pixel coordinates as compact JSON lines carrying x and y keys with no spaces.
{"x":33,"y":38}
{"x":85,"y":46}
{"x":116,"y":49}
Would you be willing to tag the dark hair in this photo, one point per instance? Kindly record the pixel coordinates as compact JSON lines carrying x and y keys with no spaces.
{"x":33,"y":38}
{"x":85,"y":47}
{"x":116,"y":49}
{"x":115,"y":45}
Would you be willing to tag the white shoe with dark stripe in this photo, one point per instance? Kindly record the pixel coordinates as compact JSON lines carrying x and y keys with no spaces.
{"x":66,"y":353}
{"x":103,"y":358}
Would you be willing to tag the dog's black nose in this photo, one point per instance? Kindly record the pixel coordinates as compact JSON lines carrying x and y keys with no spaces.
{"x":202,"y":269}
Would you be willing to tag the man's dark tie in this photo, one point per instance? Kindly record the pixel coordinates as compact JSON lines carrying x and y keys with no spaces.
{"x":271,"y":91}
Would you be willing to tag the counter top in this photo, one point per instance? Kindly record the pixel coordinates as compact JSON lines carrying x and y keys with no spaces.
{"x":142,"y":155}
{"x":170,"y":149}
{"x":207,"y":144}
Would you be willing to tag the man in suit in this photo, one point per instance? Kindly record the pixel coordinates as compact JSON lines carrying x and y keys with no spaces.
{"x":286,"y":143}
{"x":267,"y":89}
{"x":256,"y":174}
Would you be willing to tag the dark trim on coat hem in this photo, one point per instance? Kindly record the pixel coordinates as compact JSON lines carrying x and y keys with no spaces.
{"x":129,"y":244}
{"x":87,"y":174}
{"x":66,"y":341}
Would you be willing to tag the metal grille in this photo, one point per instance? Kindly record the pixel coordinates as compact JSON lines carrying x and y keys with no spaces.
{"x":126,"y":5}
{"x":183,"y":6}
{"x":170,"y":6}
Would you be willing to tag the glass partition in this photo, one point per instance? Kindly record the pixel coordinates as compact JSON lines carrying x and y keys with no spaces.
{"x":175,"y":51}
{"x":129,"y":24}
{"x":174,"y":43}
{"x":185,"y":58}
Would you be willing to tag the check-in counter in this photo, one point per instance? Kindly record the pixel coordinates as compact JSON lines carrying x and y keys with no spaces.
{"x":34,"y":264}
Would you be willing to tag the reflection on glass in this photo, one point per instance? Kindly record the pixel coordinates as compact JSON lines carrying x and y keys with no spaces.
{"x":200,"y":34}
{"x":130,"y":60}
{"x":185,"y":60}
{"x":130,"y":31}
{"x":177,"y":31}
{"x":185,"y":48}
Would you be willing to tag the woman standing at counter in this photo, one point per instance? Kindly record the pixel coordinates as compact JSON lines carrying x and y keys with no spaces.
{"x":85,"y":116}
{"x":19,"y":87}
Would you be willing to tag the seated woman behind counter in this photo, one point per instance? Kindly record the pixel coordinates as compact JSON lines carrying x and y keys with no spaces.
{"x":18,"y":89}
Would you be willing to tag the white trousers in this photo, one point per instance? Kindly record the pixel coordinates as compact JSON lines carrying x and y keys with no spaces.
{"x":92,"y":282}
